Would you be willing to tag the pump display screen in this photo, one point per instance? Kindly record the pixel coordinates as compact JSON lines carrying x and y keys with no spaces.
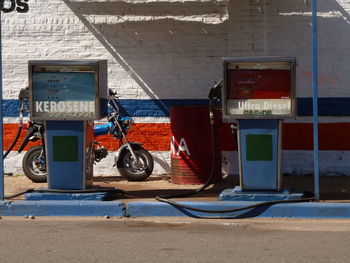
{"x":258,"y":84}
{"x":61,"y":93}
{"x":259,"y":89}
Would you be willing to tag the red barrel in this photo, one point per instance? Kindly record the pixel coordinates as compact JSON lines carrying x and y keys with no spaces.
{"x":191,"y":144}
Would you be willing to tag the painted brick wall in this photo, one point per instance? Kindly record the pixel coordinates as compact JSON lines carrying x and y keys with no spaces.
{"x":176,"y":56}
{"x":173,"y":49}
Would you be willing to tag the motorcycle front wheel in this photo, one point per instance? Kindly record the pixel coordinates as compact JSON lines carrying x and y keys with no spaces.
{"x":132,"y":170}
{"x":34,"y":165}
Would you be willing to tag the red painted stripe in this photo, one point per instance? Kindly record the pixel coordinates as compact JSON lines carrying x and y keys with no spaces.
{"x":299,"y":136}
{"x":332,"y":136}
{"x":156,"y":137}
{"x":153,"y":136}
{"x":10,"y":131}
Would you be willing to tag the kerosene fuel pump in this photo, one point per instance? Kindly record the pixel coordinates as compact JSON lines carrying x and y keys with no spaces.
{"x":258,"y":94}
{"x":68,"y":96}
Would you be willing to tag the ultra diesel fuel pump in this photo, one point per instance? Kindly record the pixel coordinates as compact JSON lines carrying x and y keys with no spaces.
{"x":68,"y":96}
{"x":258,"y":94}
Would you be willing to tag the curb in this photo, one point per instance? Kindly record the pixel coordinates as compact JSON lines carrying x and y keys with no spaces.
{"x":292,"y":210}
{"x":62,"y":208}
{"x":158,"y":209}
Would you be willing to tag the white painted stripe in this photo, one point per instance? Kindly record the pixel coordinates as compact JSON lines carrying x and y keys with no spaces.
{"x":135,"y":120}
{"x":161,"y":164}
{"x":322,"y":119}
{"x":117,"y":19}
{"x":14,"y":119}
{"x":300,"y":162}
{"x":329,"y":14}
{"x":145,"y":120}
{"x":294,"y":162}
{"x":13,"y":164}
{"x":308,"y":119}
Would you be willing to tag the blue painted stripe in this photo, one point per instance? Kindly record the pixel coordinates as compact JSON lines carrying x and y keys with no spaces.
{"x":132,"y":108}
{"x":160,"y":108}
{"x":326,"y":106}
{"x":155,"y":108}
{"x":10,"y":108}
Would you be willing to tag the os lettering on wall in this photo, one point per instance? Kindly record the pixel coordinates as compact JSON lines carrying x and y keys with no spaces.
{"x":8,"y":6}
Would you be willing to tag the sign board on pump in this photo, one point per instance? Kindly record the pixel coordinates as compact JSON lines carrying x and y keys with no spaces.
{"x":68,"y":90}
{"x":259,"y":88}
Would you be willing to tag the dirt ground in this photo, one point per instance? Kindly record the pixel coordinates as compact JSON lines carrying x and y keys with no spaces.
{"x":333,"y":189}
{"x":156,"y":185}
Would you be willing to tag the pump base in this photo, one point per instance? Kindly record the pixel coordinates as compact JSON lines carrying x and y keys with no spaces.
{"x":237,"y":194}
{"x":47,"y":194}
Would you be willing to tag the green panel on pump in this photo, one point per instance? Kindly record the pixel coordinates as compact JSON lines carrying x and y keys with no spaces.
{"x":65,"y":148}
{"x":259,"y":147}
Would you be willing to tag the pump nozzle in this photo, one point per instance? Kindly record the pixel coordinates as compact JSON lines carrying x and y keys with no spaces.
{"x":215,"y":91}
{"x":24,"y":94}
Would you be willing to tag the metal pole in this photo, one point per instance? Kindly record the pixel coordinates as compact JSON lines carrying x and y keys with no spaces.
{"x":1,"y":119}
{"x":315,"y":98}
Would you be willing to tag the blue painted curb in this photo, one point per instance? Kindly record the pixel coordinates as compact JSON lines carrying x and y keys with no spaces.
{"x":237,"y":194}
{"x":99,"y":196}
{"x":62,"y":208}
{"x":290,"y":210}
{"x":156,"y":209}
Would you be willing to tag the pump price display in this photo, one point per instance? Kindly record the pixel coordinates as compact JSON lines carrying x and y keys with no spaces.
{"x":63,"y":93}
{"x":259,"y":88}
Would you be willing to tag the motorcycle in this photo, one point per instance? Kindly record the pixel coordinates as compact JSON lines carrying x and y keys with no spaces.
{"x":132,"y":161}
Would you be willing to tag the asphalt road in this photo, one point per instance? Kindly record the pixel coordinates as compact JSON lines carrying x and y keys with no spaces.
{"x":173,"y":240}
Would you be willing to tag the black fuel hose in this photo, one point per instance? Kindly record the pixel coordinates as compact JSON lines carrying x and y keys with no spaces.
{"x":267,"y":203}
{"x":165,"y":199}
{"x":19,"y":194}
{"x":19,"y":130}
{"x":110,"y":190}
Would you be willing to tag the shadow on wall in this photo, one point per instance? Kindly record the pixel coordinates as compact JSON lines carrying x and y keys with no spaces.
{"x":168,"y":48}
{"x":173,"y":49}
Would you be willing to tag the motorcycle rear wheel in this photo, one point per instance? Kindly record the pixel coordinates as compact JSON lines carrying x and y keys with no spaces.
{"x":132,"y":171}
{"x":34,"y":165}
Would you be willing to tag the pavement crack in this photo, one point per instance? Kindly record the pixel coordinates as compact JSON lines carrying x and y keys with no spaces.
{"x":124,"y":207}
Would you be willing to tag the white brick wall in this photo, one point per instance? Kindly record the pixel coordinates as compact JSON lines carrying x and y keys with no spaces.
{"x":173,"y":49}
